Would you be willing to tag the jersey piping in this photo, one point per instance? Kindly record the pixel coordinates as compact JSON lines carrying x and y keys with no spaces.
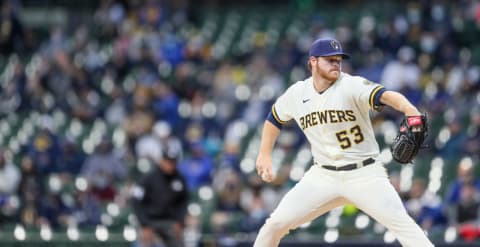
{"x":373,"y":95}
{"x":275,"y":115}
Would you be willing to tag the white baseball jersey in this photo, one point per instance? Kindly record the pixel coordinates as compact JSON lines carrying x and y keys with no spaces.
{"x":336,"y":122}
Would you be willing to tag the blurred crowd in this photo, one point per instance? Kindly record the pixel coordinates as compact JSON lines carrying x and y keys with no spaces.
{"x":148,"y":75}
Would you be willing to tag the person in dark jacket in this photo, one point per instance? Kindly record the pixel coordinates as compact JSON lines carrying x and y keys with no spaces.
{"x":160,"y":203}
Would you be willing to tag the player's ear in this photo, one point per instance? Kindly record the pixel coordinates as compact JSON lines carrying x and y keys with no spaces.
{"x":310,"y":61}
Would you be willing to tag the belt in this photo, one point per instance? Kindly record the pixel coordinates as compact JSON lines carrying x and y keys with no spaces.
{"x":352,"y":166}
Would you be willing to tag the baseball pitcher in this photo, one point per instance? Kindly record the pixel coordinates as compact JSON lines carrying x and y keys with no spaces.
{"x":332,"y":108}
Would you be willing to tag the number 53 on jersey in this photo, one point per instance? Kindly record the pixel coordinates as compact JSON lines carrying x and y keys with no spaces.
{"x":346,"y":137}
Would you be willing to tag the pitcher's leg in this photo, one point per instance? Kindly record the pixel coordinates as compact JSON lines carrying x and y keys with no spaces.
{"x":275,"y":229}
{"x":302,"y":203}
{"x":376,"y":196}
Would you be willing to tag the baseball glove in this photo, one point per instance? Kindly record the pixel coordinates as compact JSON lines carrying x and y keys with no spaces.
{"x":413,"y":132}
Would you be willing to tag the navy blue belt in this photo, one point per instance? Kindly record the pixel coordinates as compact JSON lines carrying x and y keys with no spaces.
{"x":350,"y":167}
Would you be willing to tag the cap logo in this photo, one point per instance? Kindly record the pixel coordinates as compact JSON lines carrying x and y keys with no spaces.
{"x":334,"y":44}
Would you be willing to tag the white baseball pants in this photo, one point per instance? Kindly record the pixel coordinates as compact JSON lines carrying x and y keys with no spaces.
{"x":321,"y":190}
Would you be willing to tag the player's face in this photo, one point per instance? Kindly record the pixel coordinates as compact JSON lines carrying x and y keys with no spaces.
{"x":327,"y":67}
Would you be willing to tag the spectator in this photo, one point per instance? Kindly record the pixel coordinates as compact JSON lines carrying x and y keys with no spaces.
{"x":454,"y":146}
{"x":465,"y":176}
{"x":472,"y":144}
{"x":103,"y":169}
{"x":30,"y":191}
{"x":253,"y":201}
{"x":403,"y":75}
{"x":85,"y":103}
{"x":9,"y":175}
{"x":230,"y":156}
{"x":44,"y":151}
{"x":71,"y":161}
{"x":9,"y":180}
{"x":165,"y":103}
{"x":467,"y":210}
{"x":86,"y":209}
{"x":228,"y":213}
{"x":151,"y":145}
{"x":12,"y":33}
{"x":160,"y":202}
{"x":52,"y":210}
{"x":424,"y":206}
{"x":464,"y":215}
{"x":197,"y":168}
{"x":140,"y":120}
{"x":12,"y":92}
{"x":116,"y":111}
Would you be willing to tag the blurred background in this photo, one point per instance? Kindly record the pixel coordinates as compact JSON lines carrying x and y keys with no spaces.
{"x":93,"y":92}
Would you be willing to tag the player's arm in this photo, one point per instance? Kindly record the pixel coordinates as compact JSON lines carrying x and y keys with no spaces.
{"x":398,"y":102}
{"x":270,"y":133}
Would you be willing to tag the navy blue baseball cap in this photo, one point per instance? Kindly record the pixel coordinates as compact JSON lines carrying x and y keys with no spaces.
{"x":327,"y":47}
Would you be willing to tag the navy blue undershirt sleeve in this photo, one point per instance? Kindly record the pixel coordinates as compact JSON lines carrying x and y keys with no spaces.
{"x":274,"y":121}
{"x":376,"y":98}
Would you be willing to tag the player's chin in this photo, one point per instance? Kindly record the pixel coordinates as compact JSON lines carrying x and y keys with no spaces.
{"x":333,"y":75}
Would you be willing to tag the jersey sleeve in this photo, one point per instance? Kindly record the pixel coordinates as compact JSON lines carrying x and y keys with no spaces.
{"x":368,"y":93}
{"x":282,"y":110}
